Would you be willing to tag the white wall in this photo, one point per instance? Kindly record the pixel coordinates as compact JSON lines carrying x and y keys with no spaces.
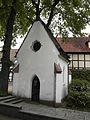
{"x":62,"y":82}
{"x":15,"y":83}
{"x":40,"y":63}
{"x":70,"y":78}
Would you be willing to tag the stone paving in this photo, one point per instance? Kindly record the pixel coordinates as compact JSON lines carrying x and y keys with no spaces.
{"x":43,"y":110}
{"x":66,"y":114}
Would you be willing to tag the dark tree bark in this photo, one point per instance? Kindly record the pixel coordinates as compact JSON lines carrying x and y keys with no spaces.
{"x":37,"y":13}
{"x":4,"y":74}
{"x":36,"y":5}
{"x":52,"y":11}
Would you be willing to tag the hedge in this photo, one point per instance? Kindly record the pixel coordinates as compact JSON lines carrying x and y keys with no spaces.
{"x":79,"y":94}
{"x":81,"y":74}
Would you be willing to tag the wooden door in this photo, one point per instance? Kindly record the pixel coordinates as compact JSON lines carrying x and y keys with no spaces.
{"x":35,"y":89}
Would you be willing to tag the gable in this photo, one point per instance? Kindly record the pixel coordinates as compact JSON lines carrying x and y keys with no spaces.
{"x":57,"y":45}
{"x":48,"y":32}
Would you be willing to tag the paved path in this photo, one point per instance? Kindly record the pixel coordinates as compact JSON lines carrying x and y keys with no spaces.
{"x":2,"y":117}
{"x":62,"y":113}
{"x":35,"y":109}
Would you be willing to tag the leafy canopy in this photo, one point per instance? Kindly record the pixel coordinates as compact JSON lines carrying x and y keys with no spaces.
{"x":66,"y":15}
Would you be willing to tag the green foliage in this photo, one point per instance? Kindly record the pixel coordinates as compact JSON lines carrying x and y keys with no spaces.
{"x":72,"y":16}
{"x":24,"y":10}
{"x":81,"y":74}
{"x":79,"y":94}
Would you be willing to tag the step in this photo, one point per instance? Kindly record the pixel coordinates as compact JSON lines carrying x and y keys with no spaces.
{"x":17,"y":101}
{"x":11,"y":110}
{"x":6,"y":97}
{"x":10,"y":100}
{"x":10,"y":105}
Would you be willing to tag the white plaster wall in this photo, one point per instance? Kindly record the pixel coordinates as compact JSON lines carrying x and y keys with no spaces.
{"x":62,"y":82}
{"x":59,"y":87}
{"x":40,"y":63}
{"x":70,"y":79}
{"x":15,"y":83}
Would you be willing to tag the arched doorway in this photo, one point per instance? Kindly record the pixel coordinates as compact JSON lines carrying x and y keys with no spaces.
{"x":35,"y":89}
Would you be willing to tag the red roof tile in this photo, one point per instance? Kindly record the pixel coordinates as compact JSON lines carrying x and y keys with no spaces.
{"x":75,"y":45}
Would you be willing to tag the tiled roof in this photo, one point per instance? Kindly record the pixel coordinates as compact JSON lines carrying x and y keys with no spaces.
{"x":12,"y":54}
{"x":75,"y":45}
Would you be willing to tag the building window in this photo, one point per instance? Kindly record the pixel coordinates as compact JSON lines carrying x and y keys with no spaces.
{"x":81,"y":56}
{"x":81,"y":64}
{"x":36,"y":45}
{"x":87,"y":57}
{"x":75,"y":57}
{"x":75,"y":64}
{"x":80,"y":61}
{"x":87,"y":64}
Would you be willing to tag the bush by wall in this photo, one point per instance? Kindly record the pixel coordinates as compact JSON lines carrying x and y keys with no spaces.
{"x":79,"y":94}
{"x":81,"y":74}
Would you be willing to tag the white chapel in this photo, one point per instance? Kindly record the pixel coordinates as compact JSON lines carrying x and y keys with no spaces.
{"x":41,"y":73}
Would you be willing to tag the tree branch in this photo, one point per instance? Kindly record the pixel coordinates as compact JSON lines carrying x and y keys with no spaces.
{"x":38,"y":2}
{"x":34,"y":3}
{"x":52,"y":12}
{"x":41,"y":9}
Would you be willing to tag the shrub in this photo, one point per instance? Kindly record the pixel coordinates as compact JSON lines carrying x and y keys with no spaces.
{"x":79,"y":94}
{"x":81,"y":74}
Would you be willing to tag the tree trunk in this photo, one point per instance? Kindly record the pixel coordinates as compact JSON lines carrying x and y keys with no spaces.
{"x":36,"y":5}
{"x":52,"y":11}
{"x":4,"y":74}
{"x":37,"y":12}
